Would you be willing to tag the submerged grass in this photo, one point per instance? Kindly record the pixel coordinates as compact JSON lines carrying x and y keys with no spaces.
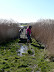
{"x":11,"y":62}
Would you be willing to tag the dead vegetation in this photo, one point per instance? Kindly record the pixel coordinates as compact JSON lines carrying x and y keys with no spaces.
{"x":8,"y":30}
{"x":43,"y":31}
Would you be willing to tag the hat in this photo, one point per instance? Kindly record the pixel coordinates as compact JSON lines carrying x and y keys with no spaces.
{"x":30,"y":26}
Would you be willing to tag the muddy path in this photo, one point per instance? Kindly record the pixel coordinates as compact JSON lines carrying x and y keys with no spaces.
{"x":22,"y":57}
{"x":24,"y":47}
{"x":23,"y":37}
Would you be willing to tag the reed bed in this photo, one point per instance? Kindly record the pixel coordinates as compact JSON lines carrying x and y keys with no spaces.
{"x":43,"y":31}
{"x":8,"y":30}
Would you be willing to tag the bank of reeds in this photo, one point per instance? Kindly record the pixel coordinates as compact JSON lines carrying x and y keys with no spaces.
{"x":43,"y":31}
{"x":8,"y":30}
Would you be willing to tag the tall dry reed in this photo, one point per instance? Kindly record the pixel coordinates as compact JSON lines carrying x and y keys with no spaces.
{"x":8,"y":30}
{"x":43,"y":31}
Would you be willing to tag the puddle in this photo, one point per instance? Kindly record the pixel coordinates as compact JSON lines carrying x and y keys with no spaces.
{"x":23,"y":49}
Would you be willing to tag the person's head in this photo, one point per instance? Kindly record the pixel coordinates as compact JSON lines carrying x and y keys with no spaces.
{"x":30,"y":27}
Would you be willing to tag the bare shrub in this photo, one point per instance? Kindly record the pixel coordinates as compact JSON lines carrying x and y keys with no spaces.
{"x":8,"y":30}
{"x":43,"y":31}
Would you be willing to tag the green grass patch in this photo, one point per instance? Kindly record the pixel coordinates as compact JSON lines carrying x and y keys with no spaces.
{"x":30,"y":52}
{"x":11,"y":62}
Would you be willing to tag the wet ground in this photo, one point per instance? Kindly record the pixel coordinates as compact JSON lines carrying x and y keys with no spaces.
{"x":23,"y":34}
{"x":23,"y":37}
{"x":24,"y":47}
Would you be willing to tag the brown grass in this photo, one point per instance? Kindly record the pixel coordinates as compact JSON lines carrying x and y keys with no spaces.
{"x":43,"y":31}
{"x":8,"y":30}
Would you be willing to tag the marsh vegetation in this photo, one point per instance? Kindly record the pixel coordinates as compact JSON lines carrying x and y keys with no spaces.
{"x":20,"y":57}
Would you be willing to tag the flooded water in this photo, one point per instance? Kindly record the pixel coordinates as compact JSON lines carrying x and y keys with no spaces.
{"x":23,"y":34}
{"x":23,"y":49}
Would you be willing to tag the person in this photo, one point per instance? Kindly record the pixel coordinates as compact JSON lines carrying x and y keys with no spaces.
{"x":19,"y":33}
{"x":28,"y":32}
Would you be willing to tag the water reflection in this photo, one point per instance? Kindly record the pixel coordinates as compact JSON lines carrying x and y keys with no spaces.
{"x":23,"y":49}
